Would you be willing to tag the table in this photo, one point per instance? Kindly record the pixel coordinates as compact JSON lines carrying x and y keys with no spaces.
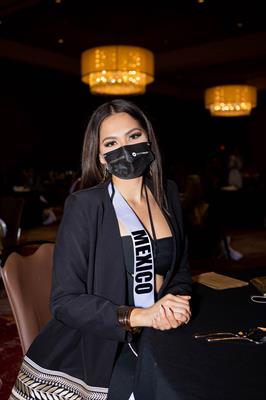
{"x":175,"y":366}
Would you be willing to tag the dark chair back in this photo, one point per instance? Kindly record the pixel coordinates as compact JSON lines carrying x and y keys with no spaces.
{"x":11,"y":209}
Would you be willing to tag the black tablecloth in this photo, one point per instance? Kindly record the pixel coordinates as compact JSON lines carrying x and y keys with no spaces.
{"x":175,"y":366}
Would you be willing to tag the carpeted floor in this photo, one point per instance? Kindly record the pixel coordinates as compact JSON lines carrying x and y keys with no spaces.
{"x":10,"y":349}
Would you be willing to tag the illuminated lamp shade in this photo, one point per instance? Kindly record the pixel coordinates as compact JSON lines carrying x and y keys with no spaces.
{"x":117,"y":70}
{"x":231,"y":100}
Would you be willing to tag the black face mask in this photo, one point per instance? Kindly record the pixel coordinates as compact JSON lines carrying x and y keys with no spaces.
{"x":128,"y":162}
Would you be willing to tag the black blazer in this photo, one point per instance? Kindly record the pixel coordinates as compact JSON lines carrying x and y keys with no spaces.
{"x":89,"y":283}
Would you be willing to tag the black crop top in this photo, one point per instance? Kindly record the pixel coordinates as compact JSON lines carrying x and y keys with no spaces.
{"x":162,"y":254}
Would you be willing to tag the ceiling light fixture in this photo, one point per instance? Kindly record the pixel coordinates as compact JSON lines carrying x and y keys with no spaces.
{"x":117,"y":70}
{"x":231,"y":100}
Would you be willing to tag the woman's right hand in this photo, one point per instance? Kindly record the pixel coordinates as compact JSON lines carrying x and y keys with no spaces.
{"x":169,"y":312}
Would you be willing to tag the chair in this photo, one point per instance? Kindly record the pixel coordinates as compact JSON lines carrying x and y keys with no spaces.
{"x":11,"y":209}
{"x":27,"y":281}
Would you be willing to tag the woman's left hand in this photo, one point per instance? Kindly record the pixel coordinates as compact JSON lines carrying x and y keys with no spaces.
{"x":166,"y":319}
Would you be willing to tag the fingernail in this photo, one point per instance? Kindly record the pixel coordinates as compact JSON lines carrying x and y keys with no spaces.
{"x":185,"y":296}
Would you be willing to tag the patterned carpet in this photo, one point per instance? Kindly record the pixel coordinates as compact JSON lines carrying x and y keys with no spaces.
{"x":10,"y":349}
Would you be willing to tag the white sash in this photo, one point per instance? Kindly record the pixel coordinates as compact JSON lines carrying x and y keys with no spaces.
{"x":143,"y":289}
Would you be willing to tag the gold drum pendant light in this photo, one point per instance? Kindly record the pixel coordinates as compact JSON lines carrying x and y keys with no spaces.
{"x":231,"y":100}
{"x":117,"y":70}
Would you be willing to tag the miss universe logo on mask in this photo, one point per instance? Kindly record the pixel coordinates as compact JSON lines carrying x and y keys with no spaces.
{"x":128,"y":162}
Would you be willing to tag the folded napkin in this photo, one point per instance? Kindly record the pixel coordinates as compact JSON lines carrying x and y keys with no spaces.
{"x":260,"y":283}
{"x":218,"y":281}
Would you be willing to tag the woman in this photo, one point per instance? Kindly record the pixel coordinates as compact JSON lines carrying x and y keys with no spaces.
{"x":120,"y":264}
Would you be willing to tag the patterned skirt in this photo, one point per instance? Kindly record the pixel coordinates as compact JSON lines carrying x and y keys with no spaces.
{"x":35,"y":382}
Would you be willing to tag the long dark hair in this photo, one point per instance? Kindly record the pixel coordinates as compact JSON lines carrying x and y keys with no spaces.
{"x":92,"y":169}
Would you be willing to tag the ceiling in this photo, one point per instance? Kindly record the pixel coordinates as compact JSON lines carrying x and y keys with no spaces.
{"x":197,"y":44}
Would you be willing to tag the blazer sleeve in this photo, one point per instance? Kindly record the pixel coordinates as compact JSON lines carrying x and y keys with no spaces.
{"x":70,"y":301}
{"x":181,"y":282}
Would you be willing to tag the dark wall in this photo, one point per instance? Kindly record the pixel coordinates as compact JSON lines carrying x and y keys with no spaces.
{"x":44,"y":115}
